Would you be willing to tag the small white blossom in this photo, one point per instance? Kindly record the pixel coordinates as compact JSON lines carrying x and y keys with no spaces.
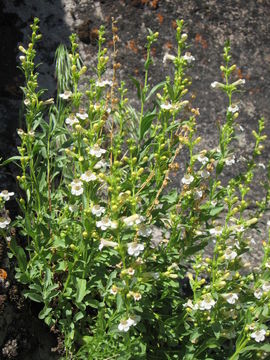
{"x":135,"y":319}
{"x":144,"y":230}
{"x":88,"y":176}
{"x":230,"y":160}
{"x":4,"y":222}
{"x":114,"y":290}
{"x":97,"y":210}
{"x":104,"y":83}
{"x":230,"y":254}
{"x":190,"y":305}
{"x":266,"y":287}
{"x":238,"y":228}
{"x":258,"y":335}
{"x":198,"y":194}
{"x":5,"y":194}
{"x":125,"y":325}
{"x":66,"y":95}
{"x":134,"y":249}
{"x":168,"y":56}
{"x":216,"y":85}
{"x":258,"y":293}
{"x":187,"y":179}
{"x":71,"y":120}
{"x":239,"y":82}
{"x":76,"y":187}
{"x":130,"y":271}
{"x":27,"y":102}
{"x":261,"y":165}
{"x":105,"y":223}
{"x":188,"y":57}
{"x":100,"y":164}
{"x":233,"y":109}
{"x":207,"y":303}
{"x":107,"y":243}
{"x":216,"y":231}
{"x":167,"y":106}
{"x":202,"y":159}
{"x":230,"y":297}
{"x":205,"y":174}
{"x":82,"y":115}
{"x":136,"y":295}
{"x":96,"y":151}
{"x":134,"y":219}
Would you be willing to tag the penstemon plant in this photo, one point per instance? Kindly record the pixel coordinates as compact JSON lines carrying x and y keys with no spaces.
{"x":118,"y":258}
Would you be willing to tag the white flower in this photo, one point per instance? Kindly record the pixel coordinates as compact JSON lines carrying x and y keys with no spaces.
{"x":188,"y":57}
{"x":207,"y":303}
{"x":88,"y":176}
{"x":105,"y":223}
{"x":261,"y":165}
{"x":205,"y":174}
{"x":136,"y":295}
{"x":266,"y":287}
{"x":114,"y":290}
{"x":258,"y":293}
{"x":216,"y":231}
{"x":130,"y":271}
{"x":187,"y":179}
{"x":104,"y":83}
{"x":190,"y":305}
{"x":202,"y":159}
{"x":230,"y":254}
{"x":71,"y":120}
{"x":4,"y":222}
{"x":4,"y":194}
{"x":233,"y":109}
{"x":97,"y":210}
{"x":134,"y":319}
{"x":125,"y":325}
{"x":66,"y":95}
{"x":230,"y":298}
{"x":239,"y":82}
{"x":216,"y":84}
{"x":134,"y":249}
{"x":114,"y":224}
{"x":73,"y":208}
{"x":96,"y":151}
{"x":76,"y":187}
{"x":258,"y":335}
{"x":107,"y":243}
{"x":144,"y":230}
{"x":82,"y":114}
{"x":167,"y":106}
{"x":168,"y":56}
{"x":100,"y":164}
{"x":27,"y":102}
{"x":134,"y":219}
{"x":238,"y":228}
{"x":198,"y":194}
{"x":230,"y":160}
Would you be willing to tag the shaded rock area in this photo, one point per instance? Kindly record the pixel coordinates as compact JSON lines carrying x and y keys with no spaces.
{"x":208,"y":24}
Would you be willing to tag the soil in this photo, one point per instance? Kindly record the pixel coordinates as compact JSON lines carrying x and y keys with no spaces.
{"x":246,"y":23}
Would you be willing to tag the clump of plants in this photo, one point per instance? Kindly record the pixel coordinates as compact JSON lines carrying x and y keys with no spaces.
{"x":115,"y":255}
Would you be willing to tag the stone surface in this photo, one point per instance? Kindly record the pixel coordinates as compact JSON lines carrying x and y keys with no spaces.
{"x":208,"y":24}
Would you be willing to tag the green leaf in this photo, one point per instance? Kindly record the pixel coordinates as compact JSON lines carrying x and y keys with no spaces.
{"x":264,"y":347}
{"x":216,"y":210}
{"x":11,"y":159}
{"x":20,"y":254}
{"x":78,"y":316}
{"x":93,"y":303}
{"x":81,"y":289}
{"x":145,"y":123}
{"x":154,"y":89}
{"x":44,"y":312}
{"x":137,"y":84}
{"x":33,"y":296}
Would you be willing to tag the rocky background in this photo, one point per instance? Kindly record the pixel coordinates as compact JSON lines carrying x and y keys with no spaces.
{"x":208,"y":24}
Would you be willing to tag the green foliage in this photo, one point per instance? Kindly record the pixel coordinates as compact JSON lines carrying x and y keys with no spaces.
{"x":127,"y":267}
